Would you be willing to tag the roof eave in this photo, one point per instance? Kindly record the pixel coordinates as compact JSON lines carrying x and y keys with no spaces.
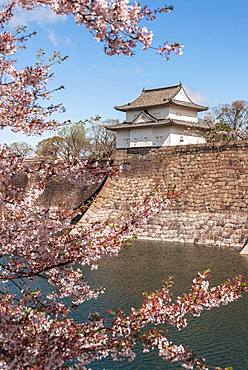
{"x":197,"y":128}
{"x":125,"y":108}
{"x":120,"y":108}
{"x":168,"y":122}
{"x":123,"y":126}
{"x":199,"y":108}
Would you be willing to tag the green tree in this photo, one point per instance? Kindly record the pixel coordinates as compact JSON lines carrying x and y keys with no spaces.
{"x":50,"y":148}
{"x":103,"y":141}
{"x":229,"y":121}
{"x":75,"y":143}
{"x":70,"y":143}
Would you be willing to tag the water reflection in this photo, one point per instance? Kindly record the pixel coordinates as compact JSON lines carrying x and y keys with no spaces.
{"x":221,"y":336}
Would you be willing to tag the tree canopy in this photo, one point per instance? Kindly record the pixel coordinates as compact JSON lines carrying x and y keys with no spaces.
{"x":21,"y":149}
{"x":229,"y":121}
{"x":83,"y":139}
{"x":103,"y":141}
{"x":70,"y":143}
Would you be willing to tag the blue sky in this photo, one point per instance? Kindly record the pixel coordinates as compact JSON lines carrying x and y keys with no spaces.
{"x":213,"y":67}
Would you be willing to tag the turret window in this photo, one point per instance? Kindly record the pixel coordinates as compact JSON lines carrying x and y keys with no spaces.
{"x":159,"y":139}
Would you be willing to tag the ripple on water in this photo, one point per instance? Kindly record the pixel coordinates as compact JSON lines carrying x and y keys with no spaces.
{"x":221,"y":335}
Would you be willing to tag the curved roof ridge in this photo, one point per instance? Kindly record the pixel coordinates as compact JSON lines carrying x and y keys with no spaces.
{"x":163,"y":88}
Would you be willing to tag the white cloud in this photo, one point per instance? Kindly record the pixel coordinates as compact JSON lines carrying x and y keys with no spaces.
{"x":56,"y":41}
{"x":42,"y":15}
{"x":68,"y":41}
{"x":52,"y":37}
{"x":197,"y":96}
{"x":137,"y":70}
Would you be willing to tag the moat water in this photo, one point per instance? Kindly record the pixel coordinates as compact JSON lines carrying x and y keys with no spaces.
{"x":220,"y":336}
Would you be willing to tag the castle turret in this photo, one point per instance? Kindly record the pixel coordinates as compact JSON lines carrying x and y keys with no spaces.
{"x":160,"y":117}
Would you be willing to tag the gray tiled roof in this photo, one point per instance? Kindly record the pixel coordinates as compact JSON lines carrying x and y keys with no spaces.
{"x":151,"y":97}
{"x":157,"y":97}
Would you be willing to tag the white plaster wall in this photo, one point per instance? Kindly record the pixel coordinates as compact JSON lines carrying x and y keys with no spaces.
{"x":173,"y":112}
{"x":130,"y":116}
{"x":182,"y":113}
{"x":159,"y":112}
{"x":157,"y":136}
{"x":161,"y":136}
{"x":176,"y":139}
{"x":140,"y":137}
{"x":123,"y":139}
{"x":182,"y":136}
{"x":181,"y":95}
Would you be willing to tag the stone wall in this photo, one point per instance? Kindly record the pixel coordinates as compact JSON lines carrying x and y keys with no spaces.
{"x":59,"y":192}
{"x":211,"y":183}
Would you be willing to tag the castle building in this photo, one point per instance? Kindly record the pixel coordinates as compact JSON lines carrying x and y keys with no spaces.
{"x":160,"y":117}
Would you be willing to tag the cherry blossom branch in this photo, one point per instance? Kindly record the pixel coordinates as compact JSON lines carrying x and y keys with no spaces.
{"x":83,"y":343}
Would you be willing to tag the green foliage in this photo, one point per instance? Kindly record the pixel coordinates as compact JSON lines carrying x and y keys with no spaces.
{"x":50,"y":148}
{"x":70,"y":143}
{"x":75,"y":141}
{"x":103,"y":141}
{"x":229,"y":122}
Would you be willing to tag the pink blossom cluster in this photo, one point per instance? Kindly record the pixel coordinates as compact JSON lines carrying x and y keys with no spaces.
{"x":24,"y":93}
{"x":116,"y":23}
{"x":158,"y":308}
{"x":31,"y":334}
{"x":166,"y":49}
